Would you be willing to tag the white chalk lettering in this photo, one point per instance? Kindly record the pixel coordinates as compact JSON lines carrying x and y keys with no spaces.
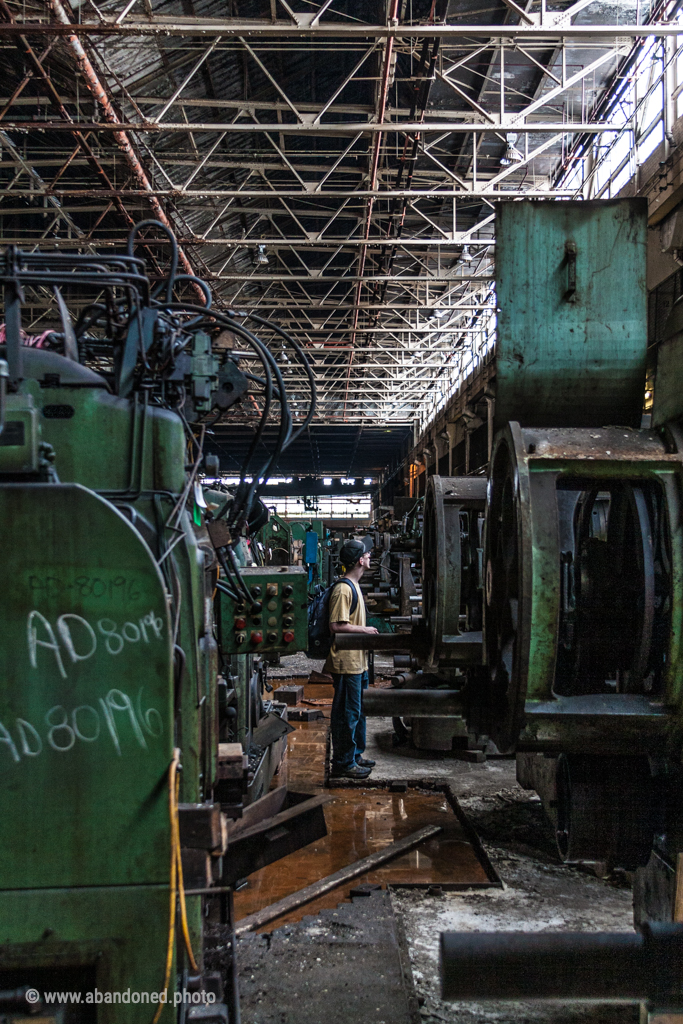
{"x":157,"y":624}
{"x":131,"y":632}
{"x":24,"y":728}
{"x":125,"y":704}
{"x":114,"y":641}
{"x":67,"y":639}
{"x":50,"y":645}
{"x":148,"y":716}
{"x":79,"y":639}
{"x":59,"y":727}
{"x":111,"y":725}
{"x":62,"y":728}
{"x":9,"y":742}
{"x":77,"y":729}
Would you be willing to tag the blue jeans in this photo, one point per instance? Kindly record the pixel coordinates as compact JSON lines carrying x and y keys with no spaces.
{"x":347,"y":720}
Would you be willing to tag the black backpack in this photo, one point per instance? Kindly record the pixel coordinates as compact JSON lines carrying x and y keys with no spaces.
{"x":319,"y":632}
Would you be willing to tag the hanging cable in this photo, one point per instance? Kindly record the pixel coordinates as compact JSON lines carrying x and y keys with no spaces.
{"x":175,"y":825}
{"x":241,"y":507}
{"x":135,"y":230}
{"x":172,"y":772}
{"x":304,"y":360}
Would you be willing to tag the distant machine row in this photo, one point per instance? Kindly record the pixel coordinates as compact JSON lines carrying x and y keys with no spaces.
{"x":550,"y":623}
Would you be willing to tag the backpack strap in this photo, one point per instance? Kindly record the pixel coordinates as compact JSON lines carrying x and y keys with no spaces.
{"x":354,"y":599}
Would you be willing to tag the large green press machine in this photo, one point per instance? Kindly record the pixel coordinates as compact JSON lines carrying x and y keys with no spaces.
{"x":133,"y":731}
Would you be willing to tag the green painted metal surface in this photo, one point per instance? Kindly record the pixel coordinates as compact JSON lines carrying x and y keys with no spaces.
{"x":276,"y":589}
{"x":120,"y":933}
{"x":668,"y":398}
{"x":86,"y":701}
{"x":276,"y":537}
{"x":585,"y":614}
{"x":572,"y":313}
{"x":82,"y":424}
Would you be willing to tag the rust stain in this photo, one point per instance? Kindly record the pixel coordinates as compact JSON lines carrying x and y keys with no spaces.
{"x":359,"y":821}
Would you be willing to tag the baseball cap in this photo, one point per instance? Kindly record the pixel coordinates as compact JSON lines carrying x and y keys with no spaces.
{"x":352,"y":551}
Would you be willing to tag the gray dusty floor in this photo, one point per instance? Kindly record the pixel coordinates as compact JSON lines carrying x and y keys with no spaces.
{"x":540,"y":894}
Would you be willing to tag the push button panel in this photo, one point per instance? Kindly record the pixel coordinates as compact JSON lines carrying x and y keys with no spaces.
{"x":276,"y":618}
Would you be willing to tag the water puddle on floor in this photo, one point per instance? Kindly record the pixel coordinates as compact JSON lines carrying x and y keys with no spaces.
{"x":359,"y":821}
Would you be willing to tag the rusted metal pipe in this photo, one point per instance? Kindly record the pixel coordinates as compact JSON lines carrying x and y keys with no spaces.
{"x":120,"y":137}
{"x":53,"y":96}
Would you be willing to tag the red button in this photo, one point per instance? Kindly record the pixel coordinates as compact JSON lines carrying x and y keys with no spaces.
{"x":257,"y":638}
{"x":288,"y":636}
{"x":240,"y":623}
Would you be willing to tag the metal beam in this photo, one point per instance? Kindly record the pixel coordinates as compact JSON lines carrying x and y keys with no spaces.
{"x":208,"y":28}
{"x":336,"y":128}
{"x":436,"y":194}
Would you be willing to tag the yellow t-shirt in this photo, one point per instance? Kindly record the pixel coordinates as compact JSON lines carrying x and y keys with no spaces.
{"x":346,"y":662}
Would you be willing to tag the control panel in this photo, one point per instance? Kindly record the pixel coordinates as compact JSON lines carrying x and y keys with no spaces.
{"x":276,"y":619}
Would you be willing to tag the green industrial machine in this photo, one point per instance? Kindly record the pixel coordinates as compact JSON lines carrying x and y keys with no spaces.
{"x":580,"y":666}
{"x":583,"y":612}
{"x":126,"y":733}
{"x":298,"y":542}
{"x":88,"y":719}
{"x":571,"y":335}
{"x":276,"y":538}
{"x":277,"y":620}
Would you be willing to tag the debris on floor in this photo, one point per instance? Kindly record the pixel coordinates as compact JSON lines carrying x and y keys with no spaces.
{"x":540,"y":894}
{"x":344,"y":966}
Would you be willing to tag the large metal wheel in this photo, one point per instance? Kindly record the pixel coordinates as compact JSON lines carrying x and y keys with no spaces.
{"x":581,"y":553}
{"x":449,"y":560}
{"x":505,"y":558}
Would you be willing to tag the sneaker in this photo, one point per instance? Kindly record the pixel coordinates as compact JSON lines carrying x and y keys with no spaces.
{"x":354,"y":772}
{"x":365,"y":762}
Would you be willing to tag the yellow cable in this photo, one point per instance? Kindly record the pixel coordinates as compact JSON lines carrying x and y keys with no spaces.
{"x":172,"y":773}
{"x":181,"y":887}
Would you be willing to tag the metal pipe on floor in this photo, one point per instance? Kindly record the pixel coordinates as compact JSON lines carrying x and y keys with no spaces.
{"x":598,"y":966}
{"x":412,"y":703}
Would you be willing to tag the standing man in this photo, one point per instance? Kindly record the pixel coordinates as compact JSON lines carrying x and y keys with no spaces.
{"x":349,"y":669}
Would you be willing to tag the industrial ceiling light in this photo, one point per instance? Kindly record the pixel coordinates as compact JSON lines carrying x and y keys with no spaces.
{"x":512,"y":155}
{"x":261,"y":258}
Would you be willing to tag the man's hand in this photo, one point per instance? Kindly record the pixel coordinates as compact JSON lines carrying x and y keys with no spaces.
{"x":370,"y":629}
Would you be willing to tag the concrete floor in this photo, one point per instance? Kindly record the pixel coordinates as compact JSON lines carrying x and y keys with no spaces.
{"x":539,"y":892}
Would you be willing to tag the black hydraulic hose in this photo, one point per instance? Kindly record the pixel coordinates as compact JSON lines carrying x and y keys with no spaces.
{"x":228,"y":560}
{"x":284,"y":432}
{"x":267,"y":401}
{"x":266,"y":358}
{"x":225,"y":589}
{"x":203,"y":286}
{"x":232,"y":558}
{"x":174,"y":250}
{"x":305,"y":362}
{"x":285,"y":417}
{"x":252,"y":376}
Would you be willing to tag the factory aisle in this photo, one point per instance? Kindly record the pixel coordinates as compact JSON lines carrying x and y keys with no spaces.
{"x":360,"y":821}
